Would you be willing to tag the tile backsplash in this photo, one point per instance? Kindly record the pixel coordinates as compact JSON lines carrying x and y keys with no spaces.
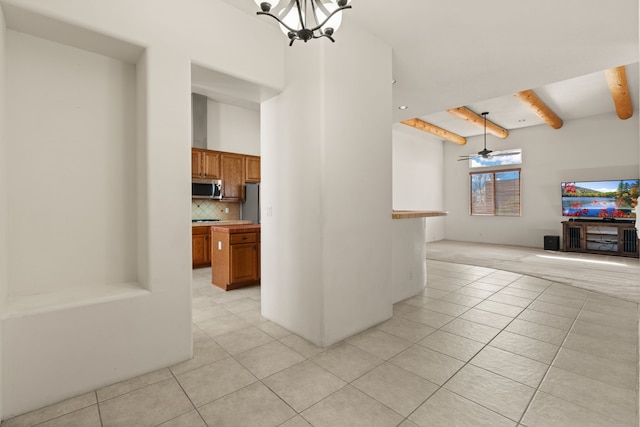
{"x":213,"y":209}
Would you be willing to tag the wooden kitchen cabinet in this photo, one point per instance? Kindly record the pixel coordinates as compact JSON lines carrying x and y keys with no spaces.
{"x":196,"y":163}
{"x":205,"y":164}
{"x":232,"y":170}
{"x":243,"y":262}
{"x":251,"y":169}
{"x":201,"y":246}
{"x":235,"y":256}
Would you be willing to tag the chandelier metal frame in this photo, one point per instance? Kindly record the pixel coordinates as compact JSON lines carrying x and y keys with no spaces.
{"x":306,"y":33}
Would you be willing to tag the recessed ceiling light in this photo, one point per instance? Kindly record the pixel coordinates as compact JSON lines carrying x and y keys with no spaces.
{"x":402,"y":107}
{"x":522,"y":120}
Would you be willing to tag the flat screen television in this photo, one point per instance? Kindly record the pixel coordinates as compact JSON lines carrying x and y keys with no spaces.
{"x":600,"y":199}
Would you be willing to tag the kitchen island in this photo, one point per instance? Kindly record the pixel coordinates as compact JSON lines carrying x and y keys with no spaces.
{"x":201,"y":239}
{"x":235,"y":256}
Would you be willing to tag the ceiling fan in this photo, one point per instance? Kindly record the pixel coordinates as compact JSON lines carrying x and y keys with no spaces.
{"x":485,"y":154}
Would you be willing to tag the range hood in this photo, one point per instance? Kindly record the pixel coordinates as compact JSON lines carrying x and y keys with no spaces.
{"x":199,"y":121}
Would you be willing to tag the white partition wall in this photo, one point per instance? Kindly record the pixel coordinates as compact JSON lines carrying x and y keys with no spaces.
{"x":98,"y":287}
{"x":86,"y":291}
{"x":3,"y":206}
{"x":326,"y":182}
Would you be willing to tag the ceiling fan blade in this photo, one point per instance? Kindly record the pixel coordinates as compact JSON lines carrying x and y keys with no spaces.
{"x":503,"y":154}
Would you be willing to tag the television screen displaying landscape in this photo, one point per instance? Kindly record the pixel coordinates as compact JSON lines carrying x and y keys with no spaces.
{"x":600,"y":199}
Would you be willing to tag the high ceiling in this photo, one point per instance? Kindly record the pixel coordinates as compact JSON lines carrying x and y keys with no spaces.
{"x":455,"y":53}
{"x":575,"y":98}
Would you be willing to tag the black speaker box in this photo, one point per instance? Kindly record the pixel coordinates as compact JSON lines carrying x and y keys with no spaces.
{"x":551,"y":243}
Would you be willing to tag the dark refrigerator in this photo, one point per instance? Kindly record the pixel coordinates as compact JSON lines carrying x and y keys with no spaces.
{"x":250,"y":209}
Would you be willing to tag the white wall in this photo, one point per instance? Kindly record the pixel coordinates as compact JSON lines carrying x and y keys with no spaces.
{"x":54,"y":351}
{"x":417,"y":170}
{"x":70,"y":175}
{"x":594,"y":148}
{"x":94,"y":315}
{"x":205,"y":31}
{"x":326,"y":253}
{"x":291,"y":198}
{"x":417,"y":176}
{"x":417,"y":185}
{"x":409,"y":258}
{"x":3,"y":206}
{"x":357,"y":225}
{"x":233,"y":129}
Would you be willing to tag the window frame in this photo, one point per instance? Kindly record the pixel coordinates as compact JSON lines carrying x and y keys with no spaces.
{"x":496,"y":210}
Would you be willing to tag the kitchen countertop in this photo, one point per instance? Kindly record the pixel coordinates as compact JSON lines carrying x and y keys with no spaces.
{"x":223,"y":222}
{"x":416,"y":214}
{"x":237,"y":228}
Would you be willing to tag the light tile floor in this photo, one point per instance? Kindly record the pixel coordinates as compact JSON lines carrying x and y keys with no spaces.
{"x":479,"y":347}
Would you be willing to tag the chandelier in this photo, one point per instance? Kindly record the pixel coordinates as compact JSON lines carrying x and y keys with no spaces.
{"x":307,"y":19}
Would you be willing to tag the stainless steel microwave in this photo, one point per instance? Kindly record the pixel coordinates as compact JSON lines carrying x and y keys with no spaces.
{"x":206,"y":189}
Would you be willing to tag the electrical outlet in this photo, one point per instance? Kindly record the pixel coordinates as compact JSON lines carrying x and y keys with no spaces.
{"x":268,"y":211}
{"x":219,"y":245}
{"x":226,"y":210}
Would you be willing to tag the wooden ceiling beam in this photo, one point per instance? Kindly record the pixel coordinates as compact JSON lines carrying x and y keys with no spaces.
{"x":435,"y":130}
{"x":617,"y":81}
{"x":466,"y":114}
{"x":531,"y":100}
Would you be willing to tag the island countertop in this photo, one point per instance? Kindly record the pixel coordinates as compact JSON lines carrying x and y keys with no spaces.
{"x":221,"y":222}
{"x":237,"y":228}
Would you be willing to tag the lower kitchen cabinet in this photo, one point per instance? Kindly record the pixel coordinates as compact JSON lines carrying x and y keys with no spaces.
{"x":235,"y":256}
{"x":201,"y":246}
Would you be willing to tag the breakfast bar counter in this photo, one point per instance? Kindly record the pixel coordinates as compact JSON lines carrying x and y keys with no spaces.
{"x":416,"y":214}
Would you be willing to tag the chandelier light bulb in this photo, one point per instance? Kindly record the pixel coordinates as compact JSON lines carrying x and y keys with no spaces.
{"x":291,"y":19}
{"x":334,"y":22}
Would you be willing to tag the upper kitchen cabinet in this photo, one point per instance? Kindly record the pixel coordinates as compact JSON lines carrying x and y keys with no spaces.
{"x":233,"y":173}
{"x":205,"y":164}
{"x":251,"y":169}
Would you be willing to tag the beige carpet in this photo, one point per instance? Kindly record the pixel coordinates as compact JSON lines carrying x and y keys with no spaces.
{"x":610,"y":275}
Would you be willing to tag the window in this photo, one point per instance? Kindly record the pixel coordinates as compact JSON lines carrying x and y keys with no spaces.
{"x":495,"y":193}
{"x":497,"y":158}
